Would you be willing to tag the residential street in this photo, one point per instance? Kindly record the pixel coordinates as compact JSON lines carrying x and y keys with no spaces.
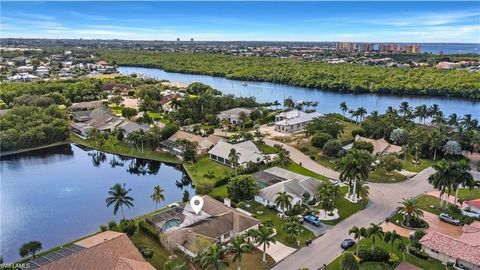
{"x":384,"y":199}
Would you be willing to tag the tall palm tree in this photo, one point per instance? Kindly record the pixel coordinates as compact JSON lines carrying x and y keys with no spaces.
{"x":238,"y":246}
{"x":405,"y":109}
{"x":213,"y":258}
{"x":282,"y":156}
{"x":374,"y":231}
{"x":119,"y":197}
{"x":463,"y":177}
{"x":243,"y":117}
{"x":234,"y":157}
{"x":354,"y":166}
{"x":361,"y":112}
{"x":157,"y":195}
{"x":358,"y":234}
{"x":437,"y":140}
{"x":225,"y":124}
{"x":453,"y":120}
{"x":283,"y":201}
{"x":391,"y":237}
{"x":443,"y":178}
{"x":421,"y":112}
{"x":344,"y":107}
{"x":265,"y":237}
{"x":410,"y":209}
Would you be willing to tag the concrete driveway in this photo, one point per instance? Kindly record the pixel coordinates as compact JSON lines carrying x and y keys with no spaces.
{"x":316,"y":230}
{"x":278,"y":251}
{"x":435,"y":224}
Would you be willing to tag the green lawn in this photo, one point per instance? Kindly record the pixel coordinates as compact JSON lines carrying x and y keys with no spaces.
{"x":430,"y":264}
{"x":424,"y":163}
{"x":199,"y":169}
{"x":252,"y":260}
{"x":425,"y":202}
{"x":346,"y":137}
{"x":126,"y":150}
{"x":379,"y":175}
{"x":345,"y":207}
{"x":294,"y":167}
{"x":266,"y":149}
{"x":265,"y":214}
{"x":465,"y":194}
{"x":219,"y":192}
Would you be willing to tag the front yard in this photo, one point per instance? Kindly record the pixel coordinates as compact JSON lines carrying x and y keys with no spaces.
{"x":206,"y":170}
{"x":345,"y":207}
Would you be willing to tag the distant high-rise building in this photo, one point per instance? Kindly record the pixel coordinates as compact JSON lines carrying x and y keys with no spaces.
{"x":178,"y":39}
{"x":191,"y":39}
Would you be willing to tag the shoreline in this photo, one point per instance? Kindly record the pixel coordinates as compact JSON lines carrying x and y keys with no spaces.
{"x":19,"y":151}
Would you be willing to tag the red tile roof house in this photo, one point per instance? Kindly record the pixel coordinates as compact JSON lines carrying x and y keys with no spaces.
{"x":110,"y":87}
{"x":471,"y":208}
{"x":463,"y":251}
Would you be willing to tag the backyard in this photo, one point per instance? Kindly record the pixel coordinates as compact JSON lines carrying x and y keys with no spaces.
{"x":206,"y":170}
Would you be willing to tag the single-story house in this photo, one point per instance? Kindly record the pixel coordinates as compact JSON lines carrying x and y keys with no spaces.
{"x":380,"y":146}
{"x":203,"y":143}
{"x":463,"y":251}
{"x":247,"y":150}
{"x":471,"y":208}
{"x":176,"y":85}
{"x":42,"y":71}
{"x":192,"y":233}
{"x":110,"y":87}
{"x":294,"y":120}
{"x":166,"y":101}
{"x":87,"y":105}
{"x":233,"y":115}
{"x":296,"y":185}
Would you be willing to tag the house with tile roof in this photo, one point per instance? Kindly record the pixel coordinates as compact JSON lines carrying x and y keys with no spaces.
{"x":234,"y":115}
{"x":247,"y":150}
{"x":294,"y":120}
{"x":463,"y":251}
{"x":296,"y":185}
{"x":106,"y":250}
{"x":204,"y":144}
{"x":380,"y":146}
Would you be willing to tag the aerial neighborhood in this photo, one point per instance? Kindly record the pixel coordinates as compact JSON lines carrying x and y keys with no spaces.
{"x":154,"y":151}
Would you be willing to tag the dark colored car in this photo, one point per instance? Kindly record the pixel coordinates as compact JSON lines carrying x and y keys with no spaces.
{"x":449,"y":219}
{"x":347,"y":243}
{"x":312,"y":220}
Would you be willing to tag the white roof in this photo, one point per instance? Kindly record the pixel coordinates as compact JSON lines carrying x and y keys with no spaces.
{"x":247,"y":149}
{"x":296,"y":117}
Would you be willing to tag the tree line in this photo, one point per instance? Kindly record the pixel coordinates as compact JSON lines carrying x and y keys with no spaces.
{"x":333,"y":77}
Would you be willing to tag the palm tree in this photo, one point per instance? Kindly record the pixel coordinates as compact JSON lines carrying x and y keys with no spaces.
{"x":361,"y":112}
{"x":213,"y":258}
{"x":402,"y":247}
{"x":410,"y":209}
{"x":463,"y":177}
{"x":265,"y":237}
{"x":453,"y":120}
{"x":391,"y":237}
{"x":238,"y":246}
{"x":283,"y":201}
{"x":437,"y":140}
{"x":358,"y":233}
{"x":282,"y":156}
{"x":234,"y":157}
{"x":292,"y":228}
{"x":405,"y":109}
{"x":250,"y":235}
{"x":119,"y":197}
{"x":443,"y":178}
{"x":243,"y":117}
{"x":344,"y":107}
{"x":225,"y":124}
{"x":258,"y":135}
{"x":374,"y":231}
{"x":354,"y":166}
{"x":421,"y":112}
{"x":157,"y":195}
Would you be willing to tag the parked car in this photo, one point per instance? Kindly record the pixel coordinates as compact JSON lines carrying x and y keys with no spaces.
{"x":449,"y":219}
{"x":347,"y":243}
{"x":312,"y":220}
{"x":300,"y":218}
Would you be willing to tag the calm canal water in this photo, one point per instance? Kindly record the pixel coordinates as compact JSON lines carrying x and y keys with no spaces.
{"x":328,"y":101}
{"x":57,"y":195}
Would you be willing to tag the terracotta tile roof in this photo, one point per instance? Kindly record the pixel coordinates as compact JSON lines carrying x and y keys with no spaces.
{"x":406,"y":266}
{"x":465,"y":247}
{"x":169,"y":98}
{"x":473,"y":203}
{"x":116,"y":253}
{"x":98,"y":239}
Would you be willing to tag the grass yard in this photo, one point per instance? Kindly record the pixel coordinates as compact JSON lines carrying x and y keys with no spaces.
{"x":465,"y":194}
{"x":265,"y":214}
{"x":424,"y":163}
{"x":219,"y":192}
{"x":425,"y":202}
{"x":198,"y":170}
{"x":345,"y":207}
{"x":252,"y":260}
{"x":126,"y":150}
{"x":294,"y":167}
{"x":266,"y":149}
{"x":346,"y":137}
{"x":430,"y":264}
{"x":379,"y":175}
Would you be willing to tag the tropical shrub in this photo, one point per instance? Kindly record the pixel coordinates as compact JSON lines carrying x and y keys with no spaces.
{"x":362,"y":145}
{"x":332,"y":148}
{"x":242,"y":187}
{"x":128,"y":226}
{"x":319,"y":139}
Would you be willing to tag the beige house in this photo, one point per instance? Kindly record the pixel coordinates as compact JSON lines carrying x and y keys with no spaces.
{"x":203,"y":143}
{"x":380,"y":146}
{"x":463,"y":251}
{"x":234,"y":115}
{"x":247,"y":151}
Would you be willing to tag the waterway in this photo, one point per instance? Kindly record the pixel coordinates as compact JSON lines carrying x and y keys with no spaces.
{"x":56,"y":195}
{"x":328,"y":101}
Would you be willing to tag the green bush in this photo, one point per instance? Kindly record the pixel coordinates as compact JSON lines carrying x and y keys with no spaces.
{"x":319,"y":139}
{"x":393,"y":259}
{"x":358,"y":131}
{"x":377,"y":255}
{"x":242,"y":187}
{"x":361,"y":145}
{"x":112,"y":224}
{"x":146,"y":252}
{"x":204,"y":188}
{"x":128,"y":226}
{"x":418,"y":253}
{"x":349,"y":262}
{"x":148,"y":229}
{"x":103,"y":228}
{"x":332,"y":148}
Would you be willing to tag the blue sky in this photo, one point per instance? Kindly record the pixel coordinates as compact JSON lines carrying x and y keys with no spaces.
{"x":291,"y":21}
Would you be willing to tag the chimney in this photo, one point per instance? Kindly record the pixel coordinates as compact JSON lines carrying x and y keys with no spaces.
{"x":227,"y":202}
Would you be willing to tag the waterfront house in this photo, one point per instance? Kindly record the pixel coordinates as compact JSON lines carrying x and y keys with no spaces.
{"x":203,"y":144}
{"x":166,"y":102}
{"x":463,"y":251}
{"x":234,"y":115}
{"x":380,"y":146}
{"x":294,"y":120}
{"x":111,"y":87}
{"x":294,"y":184}
{"x":181,"y":86}
{"x":42,"y":71}
{"x":192,"y":233}
{"x":247,"y":150}
{"x":107,"y":250}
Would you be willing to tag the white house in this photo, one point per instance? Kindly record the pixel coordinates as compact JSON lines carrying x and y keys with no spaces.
{"x":247,"y":151}
{"x":233,"y":115}
{"x":294,"y":120}
{"x":42,"y":71}
{"x":296,"y":186}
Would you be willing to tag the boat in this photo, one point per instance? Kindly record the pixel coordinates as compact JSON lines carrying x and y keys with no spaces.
{"x":244,"y":84}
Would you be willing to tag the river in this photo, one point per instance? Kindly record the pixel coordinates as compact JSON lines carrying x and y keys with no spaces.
{"x":57,"y":194}
{"x":328,"y":101}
